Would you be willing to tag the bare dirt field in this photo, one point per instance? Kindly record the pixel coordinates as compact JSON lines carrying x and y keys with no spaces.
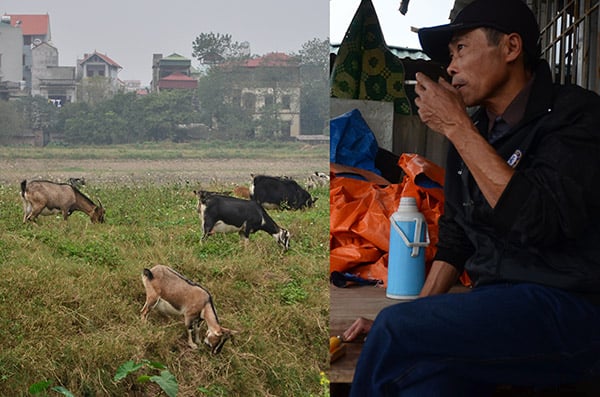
{"x":193,"y":171}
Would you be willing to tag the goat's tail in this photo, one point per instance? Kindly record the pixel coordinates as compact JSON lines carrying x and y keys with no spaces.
{"x":23,"y":186}
{"x":148,"y":274}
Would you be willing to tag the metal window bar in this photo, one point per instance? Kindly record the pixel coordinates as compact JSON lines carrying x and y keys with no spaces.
{"x":570,"y":32}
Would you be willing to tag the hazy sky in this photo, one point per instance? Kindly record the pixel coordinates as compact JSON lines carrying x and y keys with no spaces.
{"x":130,"y":31}
{"x":395,"y":26}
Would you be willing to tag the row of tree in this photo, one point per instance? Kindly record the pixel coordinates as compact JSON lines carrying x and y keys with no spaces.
{"x":129,"y":118}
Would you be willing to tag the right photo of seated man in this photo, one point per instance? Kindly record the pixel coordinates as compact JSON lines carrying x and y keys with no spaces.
{"x":464,"y":199}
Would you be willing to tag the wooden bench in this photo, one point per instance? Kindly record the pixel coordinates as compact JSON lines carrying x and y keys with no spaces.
{"x":347,"y":304}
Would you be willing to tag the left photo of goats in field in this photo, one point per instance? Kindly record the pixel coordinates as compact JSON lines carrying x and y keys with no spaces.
{"x":164,"y":269}
{"x":164,"y":198}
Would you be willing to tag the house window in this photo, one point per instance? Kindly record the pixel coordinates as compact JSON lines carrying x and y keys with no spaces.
{"x":236,"y":97}
{"x":89,"y":73}
{"x":269,"y":100}
{"x":286,"y":101}
{"x":570,"y":41}
{"x":286,"y":128}
{"x":249,"y":101}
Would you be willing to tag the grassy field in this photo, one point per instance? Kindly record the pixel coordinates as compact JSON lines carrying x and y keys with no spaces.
{"x":71,"y":292}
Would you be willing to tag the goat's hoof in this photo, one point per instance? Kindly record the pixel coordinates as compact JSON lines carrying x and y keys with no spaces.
{"x":193,"y":345}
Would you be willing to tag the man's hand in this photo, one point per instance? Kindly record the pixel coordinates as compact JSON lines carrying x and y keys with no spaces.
{"x":359,"y":327}
{"x":440,"y":105}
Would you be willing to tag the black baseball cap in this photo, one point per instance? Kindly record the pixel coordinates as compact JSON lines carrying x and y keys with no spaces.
{"x":507,"y":16}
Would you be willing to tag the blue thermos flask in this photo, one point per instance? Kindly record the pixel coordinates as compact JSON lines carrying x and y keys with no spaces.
{"x":406,"y":259}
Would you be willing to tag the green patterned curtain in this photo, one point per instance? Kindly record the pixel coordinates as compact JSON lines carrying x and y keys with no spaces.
{"x":365,"y":68}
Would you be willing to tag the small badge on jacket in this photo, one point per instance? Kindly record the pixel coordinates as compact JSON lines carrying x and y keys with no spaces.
{"x":513,"y":161}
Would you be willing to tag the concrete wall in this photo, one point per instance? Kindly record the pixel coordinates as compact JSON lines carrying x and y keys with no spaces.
{"x":42,"y":56}
{"x":11,"y":48}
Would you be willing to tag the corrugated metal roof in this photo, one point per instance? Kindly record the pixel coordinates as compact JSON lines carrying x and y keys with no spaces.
{"x":400,"y":52}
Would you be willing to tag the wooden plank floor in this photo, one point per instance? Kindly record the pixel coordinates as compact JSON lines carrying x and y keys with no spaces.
{"x":346,"y":305}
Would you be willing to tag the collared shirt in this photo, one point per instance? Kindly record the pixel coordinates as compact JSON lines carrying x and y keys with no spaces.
{"x":515,"y":111}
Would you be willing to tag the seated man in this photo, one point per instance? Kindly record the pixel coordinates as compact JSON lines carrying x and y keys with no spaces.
{"x":522,"y":217}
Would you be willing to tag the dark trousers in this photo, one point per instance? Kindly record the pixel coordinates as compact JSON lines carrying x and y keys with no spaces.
{"x":465,"y":344}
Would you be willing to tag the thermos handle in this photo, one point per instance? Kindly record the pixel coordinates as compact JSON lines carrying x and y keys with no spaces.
{"x":416,"y":243}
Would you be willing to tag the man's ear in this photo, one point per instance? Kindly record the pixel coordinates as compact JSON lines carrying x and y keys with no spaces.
{"x":513,"y":46}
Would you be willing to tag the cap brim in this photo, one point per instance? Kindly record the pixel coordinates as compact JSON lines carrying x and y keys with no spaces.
{"x":435,"y":40}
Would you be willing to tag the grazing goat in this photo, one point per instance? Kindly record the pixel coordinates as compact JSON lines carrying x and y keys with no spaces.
{"x":46,"y":198}
{"x":241,"y":192}
{"x":173,"y":294}
{"x":224,"y":214}
{"x":279,"y":193}
{"x":317,"y":179}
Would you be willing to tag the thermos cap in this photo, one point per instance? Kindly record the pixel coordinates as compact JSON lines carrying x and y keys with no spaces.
{"x":407,"y":204}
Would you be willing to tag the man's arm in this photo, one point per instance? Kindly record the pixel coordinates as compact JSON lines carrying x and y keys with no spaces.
{"x":442,"y":276}
{"x":442,"y":109}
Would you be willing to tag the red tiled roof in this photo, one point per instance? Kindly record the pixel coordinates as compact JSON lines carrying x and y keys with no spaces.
{"x":272,"y":59}
{"x":32,"y":25}
{"x":105,"y":58}
{"x":177,"y":80}
{"x":178,"y":76}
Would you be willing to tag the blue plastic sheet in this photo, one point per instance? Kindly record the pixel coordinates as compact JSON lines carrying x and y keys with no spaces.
{"x":352,"y":142}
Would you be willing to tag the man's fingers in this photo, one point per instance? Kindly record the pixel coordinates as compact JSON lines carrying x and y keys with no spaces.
{"x":422,"y":79}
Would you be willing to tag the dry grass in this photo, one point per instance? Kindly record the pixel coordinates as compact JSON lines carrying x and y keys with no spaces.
{"x":71,"y":292}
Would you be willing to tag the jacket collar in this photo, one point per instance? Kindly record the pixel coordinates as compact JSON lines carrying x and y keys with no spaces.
{"x":541,"y":97}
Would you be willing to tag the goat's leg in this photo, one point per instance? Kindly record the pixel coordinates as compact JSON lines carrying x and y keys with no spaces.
{"x":189,"y":324}
{"x":35,"y":211}
{"x":245,"y":235}
{"x":151,"y":301}
{"x":26,"y":210}
{"x":197,"y":323}
{"x":207,"y":226}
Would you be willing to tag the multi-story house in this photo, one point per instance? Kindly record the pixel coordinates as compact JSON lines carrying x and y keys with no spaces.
{"x":57,"y":83}
{"x":271,"y":83}
{"x":11,"y":58}
{"x":172,"y":72}
{"x":36,"y":30}
{"x":31,"y":61}
{"x":97,"y":77}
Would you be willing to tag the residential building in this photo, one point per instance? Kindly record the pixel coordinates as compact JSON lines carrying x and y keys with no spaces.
{"x":172,"y":72}
{"x":35,"y":30}
{"x":270,"y":82}
{"x":11,"y":59}
{"x":57,"y":83}
{"x":99,"y":65}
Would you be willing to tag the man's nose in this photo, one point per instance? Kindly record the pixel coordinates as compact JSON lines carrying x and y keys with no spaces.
{"x":451,"y":68}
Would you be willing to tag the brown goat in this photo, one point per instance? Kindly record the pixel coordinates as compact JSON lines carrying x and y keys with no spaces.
{"x":242,"y":192}
{"x":46,"y":198}
{"x":173,"y":294}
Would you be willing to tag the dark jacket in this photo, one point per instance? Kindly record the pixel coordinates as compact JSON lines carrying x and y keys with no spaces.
{"x":545,"y":228}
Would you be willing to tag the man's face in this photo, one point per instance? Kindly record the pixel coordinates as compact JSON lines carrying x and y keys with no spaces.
{"x":477,"y":68}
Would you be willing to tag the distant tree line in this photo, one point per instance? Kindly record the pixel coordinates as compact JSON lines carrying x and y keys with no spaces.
{"x":179,"y":114}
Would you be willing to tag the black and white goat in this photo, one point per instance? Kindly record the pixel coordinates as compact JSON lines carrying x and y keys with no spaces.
{"x":173,"y":294}
{"x":47,"y":198}
{"x":225,"y":214}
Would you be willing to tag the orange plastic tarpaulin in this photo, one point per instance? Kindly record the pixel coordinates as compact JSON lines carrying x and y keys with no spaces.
{"x":360,"y":212}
